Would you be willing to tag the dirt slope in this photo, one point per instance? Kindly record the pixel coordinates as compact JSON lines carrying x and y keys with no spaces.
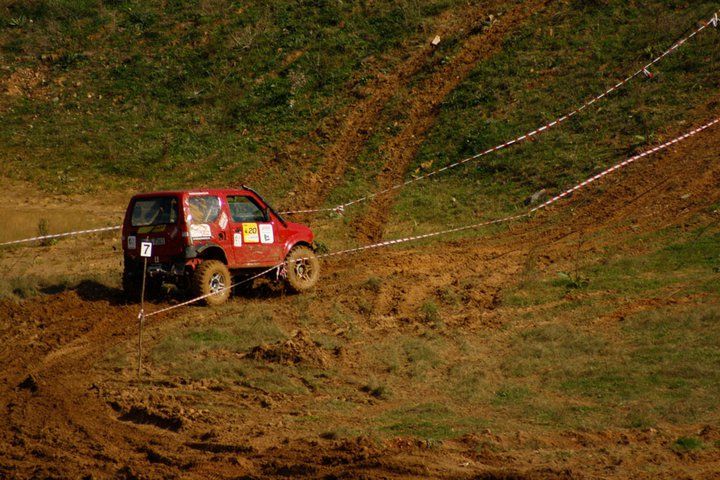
{"x":423,"y":110}
{"x":65,"y":415}
{"x":362,"y":119}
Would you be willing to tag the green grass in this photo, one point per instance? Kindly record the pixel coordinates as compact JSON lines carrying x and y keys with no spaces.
{"x":660,"y":367}
{"x":185,"y":93}
{"x":428,"y":421}
{"x":551,"y":66}
{"x":676,"y":260}
{"x":182,"y":353}
{"x":687,"y":444}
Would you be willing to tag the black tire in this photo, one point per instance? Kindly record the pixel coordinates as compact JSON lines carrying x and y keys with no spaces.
{"x":212,"y":276}
{"x":303,"y":269}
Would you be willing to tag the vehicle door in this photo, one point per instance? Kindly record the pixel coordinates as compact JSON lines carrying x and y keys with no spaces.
{"x":255,"y":237}
{"x":208,"y":221}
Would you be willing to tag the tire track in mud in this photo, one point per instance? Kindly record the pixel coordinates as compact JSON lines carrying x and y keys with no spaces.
{"x":65,"y":429}
{"x":53,"y":423}
{"x":362,"y":118}
{"x":423,"y":111}
{"x":653,"y":195}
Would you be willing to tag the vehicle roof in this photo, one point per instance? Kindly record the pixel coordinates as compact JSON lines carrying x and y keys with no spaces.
{"x":207,"y":191}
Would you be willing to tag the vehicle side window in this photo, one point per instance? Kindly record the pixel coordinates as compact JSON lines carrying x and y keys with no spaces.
{"x":204,"y":209}
{"x":244,"y":209}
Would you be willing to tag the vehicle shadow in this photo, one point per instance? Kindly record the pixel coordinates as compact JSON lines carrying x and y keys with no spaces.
{"x":94,"y":291}
{"x":90,"y":291}
{"x":261,"y":289}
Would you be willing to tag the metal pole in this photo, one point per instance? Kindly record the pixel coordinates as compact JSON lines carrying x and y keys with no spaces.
{"x":141,"y":316}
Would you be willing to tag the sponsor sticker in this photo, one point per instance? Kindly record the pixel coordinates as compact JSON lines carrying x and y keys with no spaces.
{"x":237,"y":239}
{"x":266,"y":233}
{"x":200,"y":231}
{"x":132,"y":242}
{"x":223,"y":220}
{"x":250,"y":233}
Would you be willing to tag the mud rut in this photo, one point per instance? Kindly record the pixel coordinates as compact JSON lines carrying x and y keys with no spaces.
{"x":358,"y":123}
{"x":60,"y":418}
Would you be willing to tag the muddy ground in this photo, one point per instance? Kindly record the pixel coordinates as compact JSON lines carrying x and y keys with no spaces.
{"x":67,"y":414}
{"x":67,"y":410}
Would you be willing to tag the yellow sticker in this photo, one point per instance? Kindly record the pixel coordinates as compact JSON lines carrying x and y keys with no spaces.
{"x":152,"y":229}
{"x":251,"y":233}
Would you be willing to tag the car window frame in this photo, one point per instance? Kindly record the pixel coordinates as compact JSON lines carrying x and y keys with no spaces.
{"x":155,"y":198}
{"x":264,"y":212}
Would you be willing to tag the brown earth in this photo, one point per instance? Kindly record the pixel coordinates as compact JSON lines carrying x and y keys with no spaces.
{"x":66,"y":413}
{"x":359,"y":121}
{"x":424,"y":100}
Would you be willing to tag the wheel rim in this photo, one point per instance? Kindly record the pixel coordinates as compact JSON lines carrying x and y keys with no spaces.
{"x":217,"y":283}
{"x":304,"y":269}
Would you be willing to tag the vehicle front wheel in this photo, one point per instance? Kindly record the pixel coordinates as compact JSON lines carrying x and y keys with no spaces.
{"x":303,"y":269}
{"x":212,"y":278}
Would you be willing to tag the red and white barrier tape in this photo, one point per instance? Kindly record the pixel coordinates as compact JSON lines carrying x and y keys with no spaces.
{"x":645,"y":70}
{"x":60,"y":235}
{"x":341,"y":208}
{"x":203,"y":297}
{"x":510,"y":218}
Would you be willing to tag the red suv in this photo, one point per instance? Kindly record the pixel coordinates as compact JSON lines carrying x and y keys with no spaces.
{"x":201,"y":239}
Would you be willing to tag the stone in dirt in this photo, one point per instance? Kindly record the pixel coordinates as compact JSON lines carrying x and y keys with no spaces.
{"x":537,"y":197}
{"x":29,"y":384}
{"x":299,"y":348}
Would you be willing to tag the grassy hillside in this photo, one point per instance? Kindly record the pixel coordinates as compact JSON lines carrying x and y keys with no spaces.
{"x":560,"y":60}
{"x":150,"y":95}
{"x":183,"y":93}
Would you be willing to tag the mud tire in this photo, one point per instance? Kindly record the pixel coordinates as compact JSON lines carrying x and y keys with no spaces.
{"x":302,"y":275}
{"x":208,"y":277}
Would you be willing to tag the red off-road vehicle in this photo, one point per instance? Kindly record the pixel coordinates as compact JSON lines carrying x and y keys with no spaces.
{"x":202,"y":239}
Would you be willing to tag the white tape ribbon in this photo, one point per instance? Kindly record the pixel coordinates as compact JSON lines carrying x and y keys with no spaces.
{"x":510,"y":218}
{"x":645,"y":70}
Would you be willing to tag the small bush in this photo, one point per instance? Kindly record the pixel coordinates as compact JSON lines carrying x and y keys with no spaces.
{"x":431,"y":313}
{"x":43,"y":229}
{"x":321,"y":248}
{"x":373,"y":284}
{"x":571,"y":281}
{"x":687,"y":444}
{"x":378,"y":391}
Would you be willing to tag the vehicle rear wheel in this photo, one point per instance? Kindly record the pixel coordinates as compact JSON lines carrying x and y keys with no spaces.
{"x":212,"y":278}
{"x":303,"y":269}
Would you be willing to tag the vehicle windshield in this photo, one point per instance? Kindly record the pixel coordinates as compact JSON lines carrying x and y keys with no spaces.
{"x":154,"y":211}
